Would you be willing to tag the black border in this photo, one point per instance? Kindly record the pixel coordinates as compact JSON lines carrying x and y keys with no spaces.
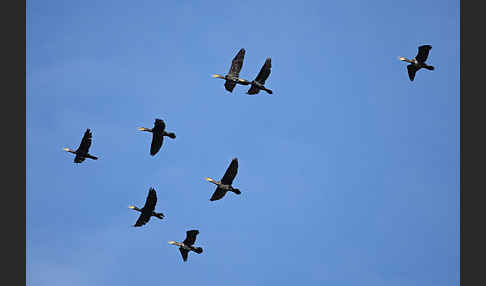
{"x":13,"y":119}
{"x":472,"y":186}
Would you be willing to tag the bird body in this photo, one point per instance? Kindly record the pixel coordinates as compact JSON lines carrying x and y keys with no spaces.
{"x":225,"y":184}
{"x":148,"y":209}
{"x":418,"y":62}
{"x":83,"y":149}
{"x":158,"y":133}
{"x":233,"y":76}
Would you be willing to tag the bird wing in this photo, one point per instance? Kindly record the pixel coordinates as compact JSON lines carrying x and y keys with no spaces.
{"x":229,"y":85}
{"x":159,"y":122}
{"x":253,"y":89}
{"x":85,"y":142}
{"x":264,"y":71}
{"x":218,"y":194}
{"x":184,"y":253}
{"x":423,"y":53}
{"x":78,"y":159}
{"x":191,"y":236}
{"x":230,"y":173}
{"x":411,"y":71}
{"x":151,"y":201}
{"x":237,"y":63}
{"x":142,"y":219}
{"x":157,"y":140}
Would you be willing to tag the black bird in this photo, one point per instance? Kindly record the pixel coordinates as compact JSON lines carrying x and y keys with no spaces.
{"x":232,"y":78}
{"x":225,"y":184}
{"x":262,"y":76}
{"x":158,"y":133}
{"x":186,"y":245}
{"x":148,"y":209}
{"x":83,"y":149}
{"x":418,"y":62}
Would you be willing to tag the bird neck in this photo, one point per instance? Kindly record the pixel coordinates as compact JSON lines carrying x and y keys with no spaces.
{"x":69,"y":150}
{"x":135,"y":208}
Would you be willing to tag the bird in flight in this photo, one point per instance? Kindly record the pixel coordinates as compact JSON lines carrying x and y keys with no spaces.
{"x":224,"y":185}
{"x":83,"y":149}
{"x":148,"y":209}
{"x":187,"y":245}
{"x":418,"y":62}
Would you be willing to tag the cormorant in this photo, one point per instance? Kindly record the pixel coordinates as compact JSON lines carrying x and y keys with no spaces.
{"x":83,"y":149}
{"x":158,"y":133}
{"x":232,"y":78}
{"x":225,"y":184}
{"x":262,"y":76}
{"x":186,"y":245}
{"x":148,"y":209}
{"x":418,"y":62}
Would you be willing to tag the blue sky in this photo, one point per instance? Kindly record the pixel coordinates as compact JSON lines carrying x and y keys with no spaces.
{"x":349,"y":173}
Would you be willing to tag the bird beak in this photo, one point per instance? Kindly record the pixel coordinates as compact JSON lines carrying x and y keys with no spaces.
{"x":172,"y":242}
{"x":209,"y":180}
{"x":217,"y":76}
{"x":66,"y":149}
{"x":131,"y":207}
{"x":402,"y":58}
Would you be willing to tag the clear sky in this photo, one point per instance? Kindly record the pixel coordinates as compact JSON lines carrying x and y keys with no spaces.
{"x":349,"y":172}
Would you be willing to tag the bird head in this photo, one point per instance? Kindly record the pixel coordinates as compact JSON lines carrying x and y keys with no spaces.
{"x":69,"y":150}
{"x":217,"y":76}
{"x":172,"y":242}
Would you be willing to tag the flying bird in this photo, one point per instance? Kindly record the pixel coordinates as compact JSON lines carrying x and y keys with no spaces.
{"x":158,"y":133}
{"x":148,"y":209}
{"x":262,"y":76}
{"x":225,"y":184}
{"x":187,"y":244}
{"x":232,"y":78}
{"x":83,"y":149}
{"x":418,"y":62}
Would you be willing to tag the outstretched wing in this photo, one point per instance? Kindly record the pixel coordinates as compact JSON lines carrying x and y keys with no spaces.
{"x":142,"y":219}
{"x":237,"y":63}
{"x":78,"y":158}
{"x":253,"y":89}
{"x":157,"y":140}
{"x":184,"y":253}
{"x":160,"y":123}
{"x":191,"y":236}
{"x":230,"y":173}
{"x":411,"y":71}
{"x":423,"y":53}
{"x":229,"y":85}
{"x":151,"y":201}
{"x":85,"y":142}
{"x":264,"y":71}
{"x":218,"y":194}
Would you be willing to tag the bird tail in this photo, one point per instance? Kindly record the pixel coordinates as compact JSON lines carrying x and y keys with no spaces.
{"x":91,"y":157}
{"x":159,"y":215}
{"x":171,"y":135}
{"x":198,"y":250}
{"x":430,"y":68}
{"x":236,"y":191}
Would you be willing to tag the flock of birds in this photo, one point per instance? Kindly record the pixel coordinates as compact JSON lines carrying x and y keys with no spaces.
{"x":225,"y":184}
